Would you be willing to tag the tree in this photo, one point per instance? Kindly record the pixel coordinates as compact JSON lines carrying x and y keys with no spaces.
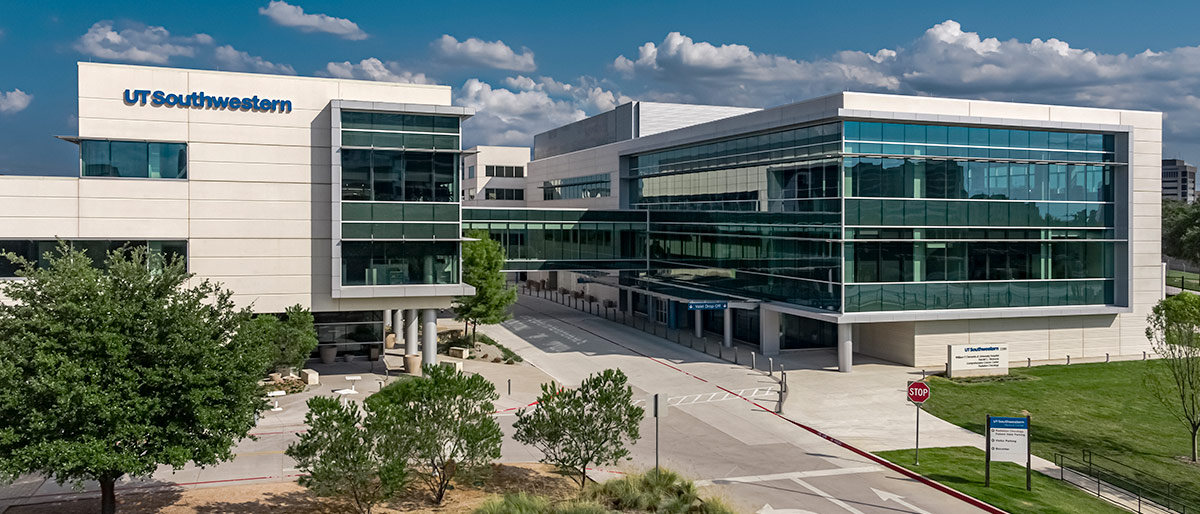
{"x":117,"y":371}
{"x":575,"y":428}
{"x":482,"y":261}
{"x":1175,"y":377}
{"x":296,"y":337}
{"x":341,"y":454}
{"x":1181,"y":230}
{"x":444,"y":424}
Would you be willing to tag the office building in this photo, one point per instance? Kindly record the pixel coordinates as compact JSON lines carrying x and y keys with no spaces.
{"x":494,"y":176}
{"x":339,"y":195}
{"x":881,"y":224}
{"x":1178,"y":180}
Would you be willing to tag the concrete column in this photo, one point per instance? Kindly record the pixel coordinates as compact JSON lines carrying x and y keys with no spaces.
{"x":728,"y":339}
{"x":698,"y":326}
{"x":845,"y":347}
{"x":410,"y":332}
{"x":768,"y":331}
{"x":387,"y":320}
{"x":428,"y":336}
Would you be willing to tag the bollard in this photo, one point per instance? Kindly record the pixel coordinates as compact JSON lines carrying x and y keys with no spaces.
{"x":752,"y":366}
{"x":1028,"y":362}
{"x":770,"y":366}
{"x":783,"y":383}
{"x":510,"y":387}
{"x":781,"y":374}
{"x":1143,"y":354}
{"x":736,"y":359}
{"x":1068,"y":360}
{"x":1105,"y":356}
{"x":779,"y":409}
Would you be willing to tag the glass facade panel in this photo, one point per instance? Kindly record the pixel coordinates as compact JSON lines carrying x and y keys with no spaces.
{"x":35,"y":251}
{"x":590,"y":186}
{"x":395,"y":175}
{"x":133,"y":159}
{"x":399,"y":263}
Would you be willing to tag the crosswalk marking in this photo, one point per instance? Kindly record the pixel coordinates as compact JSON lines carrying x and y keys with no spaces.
{"x":692,"y":399}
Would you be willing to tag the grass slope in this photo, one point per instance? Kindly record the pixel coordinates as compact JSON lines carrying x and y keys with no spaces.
{"x":961,"y":468}
{"x":1101,"y":407}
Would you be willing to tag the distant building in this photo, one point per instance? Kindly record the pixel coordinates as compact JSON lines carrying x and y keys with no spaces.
{"x":494,"y":176}
{"x":1178,"y":180}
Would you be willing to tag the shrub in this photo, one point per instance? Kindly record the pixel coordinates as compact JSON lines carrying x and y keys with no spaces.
{"x":524,"y":503}
{"x":662,"y":491}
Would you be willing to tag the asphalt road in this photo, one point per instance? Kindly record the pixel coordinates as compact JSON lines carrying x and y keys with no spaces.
{"x":719,"y":430}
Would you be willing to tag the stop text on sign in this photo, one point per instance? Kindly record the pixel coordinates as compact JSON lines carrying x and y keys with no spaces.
{"x":918,"y":392}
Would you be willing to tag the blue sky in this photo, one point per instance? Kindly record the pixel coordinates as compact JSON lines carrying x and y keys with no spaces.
{"x":530,"y":66}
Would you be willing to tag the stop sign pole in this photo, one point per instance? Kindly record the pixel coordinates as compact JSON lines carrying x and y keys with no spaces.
{"x":918,"y":393}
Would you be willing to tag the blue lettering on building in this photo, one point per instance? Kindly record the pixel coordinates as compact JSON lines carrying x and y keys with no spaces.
{"x":202,"y":101}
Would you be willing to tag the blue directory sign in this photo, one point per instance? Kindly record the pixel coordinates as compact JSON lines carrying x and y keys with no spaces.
{"x":707,"y":306}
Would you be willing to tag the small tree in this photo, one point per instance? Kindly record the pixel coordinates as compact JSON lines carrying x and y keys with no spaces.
{"x":341,"y":455}
{"x":482,"y":261}
{"x":444,"y":424}
{"x":118,"y":371}
{"x":1175,"y":377}
{"x":297,"y":337}
{"x":591,"y":424}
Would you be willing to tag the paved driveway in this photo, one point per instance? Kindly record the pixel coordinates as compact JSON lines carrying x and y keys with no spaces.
{"x":735,"y":446}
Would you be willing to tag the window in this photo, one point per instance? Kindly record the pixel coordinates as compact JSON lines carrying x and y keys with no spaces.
{"x":504,"y":194}
{"x":398,"y":176}
{"x":591,"y":186}
{"x":97,"y":250}
{"x":471,"y":171}
{"x":399,"y":263}
{"x":133,"y":159}
{"x":504,"y":171}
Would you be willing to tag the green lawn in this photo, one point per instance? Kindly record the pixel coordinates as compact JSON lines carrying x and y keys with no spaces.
{"x":961,"y":468}
{"x":1099,"y":407}
{"x":1183,"y":279}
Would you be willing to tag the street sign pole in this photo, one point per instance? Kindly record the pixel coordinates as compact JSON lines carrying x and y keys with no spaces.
{"x":917,"y":452}
{"x":1028,"y":455}
{"x":918,"y":393}
{"x":987,"y":455}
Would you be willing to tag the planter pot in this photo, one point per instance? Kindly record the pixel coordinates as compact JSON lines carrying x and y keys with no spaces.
{"x":374,"y":352}
{"x":276,"y":377}
{"x":412,"y":364}
{"x":389,"y":342}
{"x":328,"y":354}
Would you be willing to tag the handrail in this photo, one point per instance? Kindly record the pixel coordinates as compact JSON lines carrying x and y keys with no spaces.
{"x":1165,"y":495}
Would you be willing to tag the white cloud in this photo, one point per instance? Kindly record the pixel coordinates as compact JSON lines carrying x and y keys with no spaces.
{"x":374,"y":69}
{"x":231,"y":58}
{"x":945,"y":60}
{"x":14,"y":101}
{"x":493,"y":54}
{"x":154,"y":45}
{"x":287,"y":15}
{"x":512,"y":115}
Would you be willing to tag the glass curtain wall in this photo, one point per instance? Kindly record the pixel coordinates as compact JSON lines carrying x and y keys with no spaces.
{"x":396,"y":169}
{"x":951,"y":217}
{"x":756,"y":215}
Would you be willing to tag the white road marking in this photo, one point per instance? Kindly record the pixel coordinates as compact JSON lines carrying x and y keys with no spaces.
{"x":749,"y":479}
{"x":885,"y":496}
{"x":692,"y":399}
{"x":827,"y":496}
{"x":767,"y":509}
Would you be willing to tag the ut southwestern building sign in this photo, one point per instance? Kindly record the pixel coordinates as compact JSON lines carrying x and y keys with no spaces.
{"x":203,"y":101}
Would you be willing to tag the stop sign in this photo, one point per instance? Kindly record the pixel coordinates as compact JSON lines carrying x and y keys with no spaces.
{"x":918,"y":392}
